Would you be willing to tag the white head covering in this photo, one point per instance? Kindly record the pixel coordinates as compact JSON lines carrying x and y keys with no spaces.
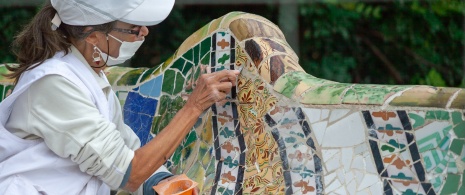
{"x":94,"y":12}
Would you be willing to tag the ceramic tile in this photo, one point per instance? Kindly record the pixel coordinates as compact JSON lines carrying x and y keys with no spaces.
{"x":152,"y":88}
{"x":288,"y":132}
{"x":337,"y":134}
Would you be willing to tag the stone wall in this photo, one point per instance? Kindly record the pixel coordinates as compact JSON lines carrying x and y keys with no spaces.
{"x":286,"y":132}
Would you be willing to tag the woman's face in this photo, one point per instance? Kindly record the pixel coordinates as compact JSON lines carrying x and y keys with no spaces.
{"x":124,"y":32}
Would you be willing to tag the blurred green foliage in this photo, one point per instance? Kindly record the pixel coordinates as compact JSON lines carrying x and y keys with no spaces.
{"x":414,"y":42}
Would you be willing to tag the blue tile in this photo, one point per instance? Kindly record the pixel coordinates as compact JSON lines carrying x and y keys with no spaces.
{"x":138,"y":114}
{"x":152,"y":88}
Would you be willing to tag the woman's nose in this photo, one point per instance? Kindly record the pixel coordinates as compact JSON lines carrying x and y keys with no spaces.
{"x":144,"y":31}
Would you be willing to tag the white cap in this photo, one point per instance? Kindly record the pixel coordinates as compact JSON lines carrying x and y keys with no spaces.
{"x":94,"y":12}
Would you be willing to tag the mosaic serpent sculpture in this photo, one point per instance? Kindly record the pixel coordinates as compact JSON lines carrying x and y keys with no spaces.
{"x":286,"y":132}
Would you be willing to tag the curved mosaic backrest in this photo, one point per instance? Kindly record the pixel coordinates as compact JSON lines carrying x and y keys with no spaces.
{"x":287,"y":132}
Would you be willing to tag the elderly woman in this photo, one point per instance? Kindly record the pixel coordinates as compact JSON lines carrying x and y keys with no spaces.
{"x":61,"y":130}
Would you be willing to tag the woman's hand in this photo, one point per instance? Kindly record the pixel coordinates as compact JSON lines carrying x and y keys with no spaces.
{"x":211,"y":88}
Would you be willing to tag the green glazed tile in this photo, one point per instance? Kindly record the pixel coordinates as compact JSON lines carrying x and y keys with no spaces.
{"x":452,"y":184}
{"x":457,"y":146}
{"x":409,"y":192}
{"x":189,"y":55}
{"x":225,"y":191}
{"x":197,"y":73}
{"x":179,"y":83}
{"x":187,"y":151}
{"x":459,"y":124}
{"x":452,"y":166}
{"x":437,"y":137}
{"x":177,"y":156}
{"x":287,"y":83}
{"x":205,"y":59}
{"x":2,"y":92}
{"x":462,"y":187}
{"x":204,"y":155}
{"x":196,"y":51}
{"x":147,"y":74}
{"x":179,"y":64}
{"x":161,"y":119}
{"x":437,"y":115}
{"x":131,"y":77}
{"x":205,"y":46}
{"x":190,"y":138}
{"x":169,"y":79}
{"x":211,"y":166}
{"x":436,"y":182}
{"x":178,"y":104}
{"x":370,"y":94}
{"x":187,"y":67}
{"x":8,"y":88}
{"x":115,"y":73}
{"x":3,"y":70}
{"x":326,"y":94}
{"x":196,"y":173}
{"x":158,"y":70}
{"x":419,"y":120}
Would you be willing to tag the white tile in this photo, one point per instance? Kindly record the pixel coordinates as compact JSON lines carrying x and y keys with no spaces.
{"x":370,"y":164}
{"x":319,"y":130}
{"x":358,"y":163}
{"x":226,"y":38}
{"x":368,"y":181}
{"x":328,"y":154}
{"x":361,"y":148}
{"x":312,"y":114}
{"x":324,"y":114}
{"x":333,"y":163}
{"x":347,"y":156}
{"x":377,"y":188}
{"x":359,"y":177}
{"x":337,"y":114}
{"x":341,"y":176}
{"x":365,"y":192}
{"x":329,"y":178}
{"x":333,"y":186}
{"x":341,"y":190}
{"x":352,"y":187}
{"x":349,"y":131}
{"x":349,"y":176}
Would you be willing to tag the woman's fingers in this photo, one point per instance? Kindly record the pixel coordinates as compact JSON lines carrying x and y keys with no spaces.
{"x":212,"y":88}
{"x":228,"y":76}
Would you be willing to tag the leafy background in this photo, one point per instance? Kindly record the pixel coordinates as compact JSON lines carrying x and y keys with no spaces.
{"x":387,"y":42}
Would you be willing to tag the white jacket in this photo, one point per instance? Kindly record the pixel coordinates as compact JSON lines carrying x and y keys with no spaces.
{"x":30,"y":167}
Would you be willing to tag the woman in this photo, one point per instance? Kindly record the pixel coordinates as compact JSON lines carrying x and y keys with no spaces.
{"x":61,"y":130}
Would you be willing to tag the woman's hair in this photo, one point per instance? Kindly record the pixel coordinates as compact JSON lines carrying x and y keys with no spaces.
{"x":37,"y":42}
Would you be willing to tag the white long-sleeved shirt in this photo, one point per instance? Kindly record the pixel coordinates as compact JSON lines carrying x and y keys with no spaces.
{"x":55,"y":109}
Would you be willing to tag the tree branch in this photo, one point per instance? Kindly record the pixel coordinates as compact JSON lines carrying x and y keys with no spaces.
{"x":391,"y":68}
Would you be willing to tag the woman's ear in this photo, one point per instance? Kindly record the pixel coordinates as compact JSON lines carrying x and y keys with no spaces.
{"x":93,"y":37}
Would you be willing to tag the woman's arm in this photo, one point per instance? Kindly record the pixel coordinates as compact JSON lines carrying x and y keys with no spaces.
{"x":210,"y":88}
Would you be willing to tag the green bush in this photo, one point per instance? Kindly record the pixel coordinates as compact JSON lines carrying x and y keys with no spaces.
{"x":415,"y":42}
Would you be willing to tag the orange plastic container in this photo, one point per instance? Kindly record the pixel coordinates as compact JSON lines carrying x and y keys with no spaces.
{"x":179,"y":185}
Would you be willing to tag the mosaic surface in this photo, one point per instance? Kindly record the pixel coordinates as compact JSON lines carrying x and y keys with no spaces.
{"x":287,"y":132}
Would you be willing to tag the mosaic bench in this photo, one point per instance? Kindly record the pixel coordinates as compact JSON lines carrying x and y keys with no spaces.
{"x":287,"y":132}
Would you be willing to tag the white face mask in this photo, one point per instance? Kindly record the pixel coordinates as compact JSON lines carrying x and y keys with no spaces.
{"x":126,"y":51}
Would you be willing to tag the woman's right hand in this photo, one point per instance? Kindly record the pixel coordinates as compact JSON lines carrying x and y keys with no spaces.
{"x":211,"y":88}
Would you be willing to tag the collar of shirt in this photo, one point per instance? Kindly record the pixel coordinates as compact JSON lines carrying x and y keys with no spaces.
{"x":104,"y":85}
